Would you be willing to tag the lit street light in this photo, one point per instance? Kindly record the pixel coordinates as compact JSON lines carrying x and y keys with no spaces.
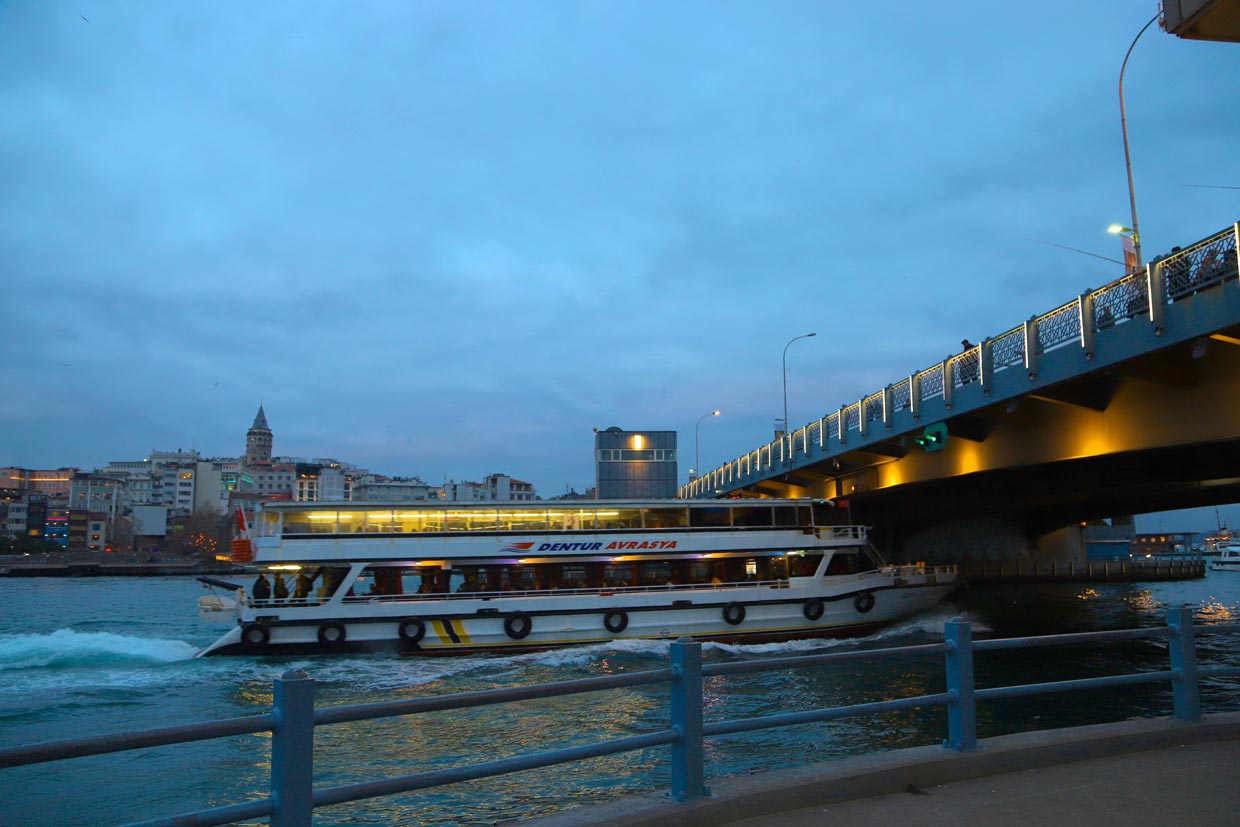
{"x":1123,"y":123}
{"x":697,"y":457}
{"x":790,"y":341}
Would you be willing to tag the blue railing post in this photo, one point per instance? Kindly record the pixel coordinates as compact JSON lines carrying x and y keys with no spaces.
{"x":1185,"y":684}
{"x":292,"y":750}
{"x":688,"y":780}
{"x":961,"y":709}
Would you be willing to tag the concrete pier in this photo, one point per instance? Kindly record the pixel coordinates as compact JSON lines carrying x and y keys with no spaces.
{"x":1135,"y":773}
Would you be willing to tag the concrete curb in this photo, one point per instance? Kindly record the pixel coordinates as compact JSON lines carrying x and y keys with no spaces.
{"x":770,"y":793}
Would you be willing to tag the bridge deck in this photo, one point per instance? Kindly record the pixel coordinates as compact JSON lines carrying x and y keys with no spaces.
{"x":1073,"y":355}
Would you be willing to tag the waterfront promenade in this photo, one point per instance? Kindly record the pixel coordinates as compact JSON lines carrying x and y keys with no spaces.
{"x":1133,"y":773}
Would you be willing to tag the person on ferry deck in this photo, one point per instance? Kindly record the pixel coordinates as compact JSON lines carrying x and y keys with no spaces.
{"x":279,"y":589}
{"x":261,"y":589}
{"x":301,"y":589}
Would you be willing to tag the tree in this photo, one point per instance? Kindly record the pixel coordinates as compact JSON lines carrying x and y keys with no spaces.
{"x":204,"y":535}
{"x":122,"y":535}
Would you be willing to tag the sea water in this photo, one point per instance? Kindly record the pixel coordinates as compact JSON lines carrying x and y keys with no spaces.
{"x":83,"y":657}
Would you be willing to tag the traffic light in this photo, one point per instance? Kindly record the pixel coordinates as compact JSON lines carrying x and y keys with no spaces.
{"x":933,"y":438}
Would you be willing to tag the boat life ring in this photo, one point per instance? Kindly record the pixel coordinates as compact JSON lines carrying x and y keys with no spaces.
{"x":864,"y":602}
{"x":412,"y":629}
{"x":255,"y":634}
{"x":616,"y":621}
{"x":733,"y":614}
{"x":813,"y":608}
{"x":517,"y":625}
{"x":332,"y":631}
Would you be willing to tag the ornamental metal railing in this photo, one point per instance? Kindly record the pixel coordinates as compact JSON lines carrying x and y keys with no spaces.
{"x":1207,"y":264}
{"x":294,"y":718}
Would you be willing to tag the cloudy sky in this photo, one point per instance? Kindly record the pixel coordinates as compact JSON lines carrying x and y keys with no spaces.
{"x":450,"y":238}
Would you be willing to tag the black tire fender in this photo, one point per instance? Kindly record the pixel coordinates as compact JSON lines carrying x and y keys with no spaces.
{"x":332,"y":631}
{"x":616,"y":621}
{"x":864,"y":602}
{"x":734,"y":614}
{"x":255,"y":634}
{"x":813,"y":608}
{"x":518,"y":625}
{"x":412,"y":629}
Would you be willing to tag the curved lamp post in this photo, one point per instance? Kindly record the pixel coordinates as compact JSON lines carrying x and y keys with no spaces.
{"x":697,"y":459}
{"x":1123,"y":123}
{"x":790,"y":341}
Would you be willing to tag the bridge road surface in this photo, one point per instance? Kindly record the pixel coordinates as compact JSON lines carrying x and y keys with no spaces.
{"x":1136,"y":773}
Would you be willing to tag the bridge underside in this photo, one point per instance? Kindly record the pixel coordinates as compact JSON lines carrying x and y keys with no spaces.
{"x":1006,"y":511}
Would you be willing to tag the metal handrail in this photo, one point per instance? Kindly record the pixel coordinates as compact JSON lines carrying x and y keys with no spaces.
{"x":294,"y":718}
{"x":1204,"y":264}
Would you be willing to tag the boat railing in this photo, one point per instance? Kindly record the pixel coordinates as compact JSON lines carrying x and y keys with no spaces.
{"x":292,"y":722}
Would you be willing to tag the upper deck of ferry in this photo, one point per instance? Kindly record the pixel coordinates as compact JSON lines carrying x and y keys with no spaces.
{"x":294,"y":520}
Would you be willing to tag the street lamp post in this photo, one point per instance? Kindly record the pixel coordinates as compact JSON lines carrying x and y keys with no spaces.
{"x":790,"y":341}
{"x":1123,"y":123}
{"x":697,"y":456}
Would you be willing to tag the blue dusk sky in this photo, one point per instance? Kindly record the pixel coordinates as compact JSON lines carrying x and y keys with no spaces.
{"x":451,"y":238}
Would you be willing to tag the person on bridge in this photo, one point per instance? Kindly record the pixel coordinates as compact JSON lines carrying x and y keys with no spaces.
{"x":968,"y":370}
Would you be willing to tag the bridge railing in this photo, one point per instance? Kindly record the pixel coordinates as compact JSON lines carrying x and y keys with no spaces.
{"x":1206,"y":264}
{"x":294,"y":718}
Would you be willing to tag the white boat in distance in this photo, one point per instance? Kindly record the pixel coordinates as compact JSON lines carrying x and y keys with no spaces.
{"x":1228,"y":559}
{"x":435,"y":578}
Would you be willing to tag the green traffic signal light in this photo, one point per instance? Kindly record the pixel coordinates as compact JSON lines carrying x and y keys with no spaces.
{"x":933,"y":438}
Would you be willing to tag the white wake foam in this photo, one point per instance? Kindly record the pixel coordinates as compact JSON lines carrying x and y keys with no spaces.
{"x":67,"y":649}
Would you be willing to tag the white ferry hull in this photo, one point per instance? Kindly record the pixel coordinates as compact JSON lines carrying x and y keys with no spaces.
{"x":515,"y":624}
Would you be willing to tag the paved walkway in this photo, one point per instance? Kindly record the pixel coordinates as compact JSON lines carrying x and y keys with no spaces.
{"x":1191,"y":784}
{"x":1130,"y":774}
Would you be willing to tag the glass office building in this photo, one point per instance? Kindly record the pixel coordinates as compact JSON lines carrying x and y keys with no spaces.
{"x":637,"y":465}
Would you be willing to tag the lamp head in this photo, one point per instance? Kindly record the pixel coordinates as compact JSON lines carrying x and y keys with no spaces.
{"x":714,"y":413}
{"x":1116,"y":229}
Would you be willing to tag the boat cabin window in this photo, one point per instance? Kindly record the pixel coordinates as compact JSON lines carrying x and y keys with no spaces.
{"x":565,"y":576}
{"x":803,"y":564}
{"x":613,"y":518}
{"x":710,"y":517}
{"x":752,"y":516}
{"x":705,"y":571}
{"x":779,"y":568}
{"x":359,"y":520}
{"x":350,"y":522}
{"x":618,"y":574}
{"x":656,"y":574}
{"x":793,"y":515}
{"x":665,"y":517}
{"x":296,"y":522}
{"x":268,"y":524}
{"x":849,"y":562}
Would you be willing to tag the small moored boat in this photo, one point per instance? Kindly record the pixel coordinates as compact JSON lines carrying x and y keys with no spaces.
{"x":1228,"y":559}
{"x":455,"y":578}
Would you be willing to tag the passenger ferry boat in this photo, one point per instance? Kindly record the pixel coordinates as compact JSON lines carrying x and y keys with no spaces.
{"x":437,"y":579}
